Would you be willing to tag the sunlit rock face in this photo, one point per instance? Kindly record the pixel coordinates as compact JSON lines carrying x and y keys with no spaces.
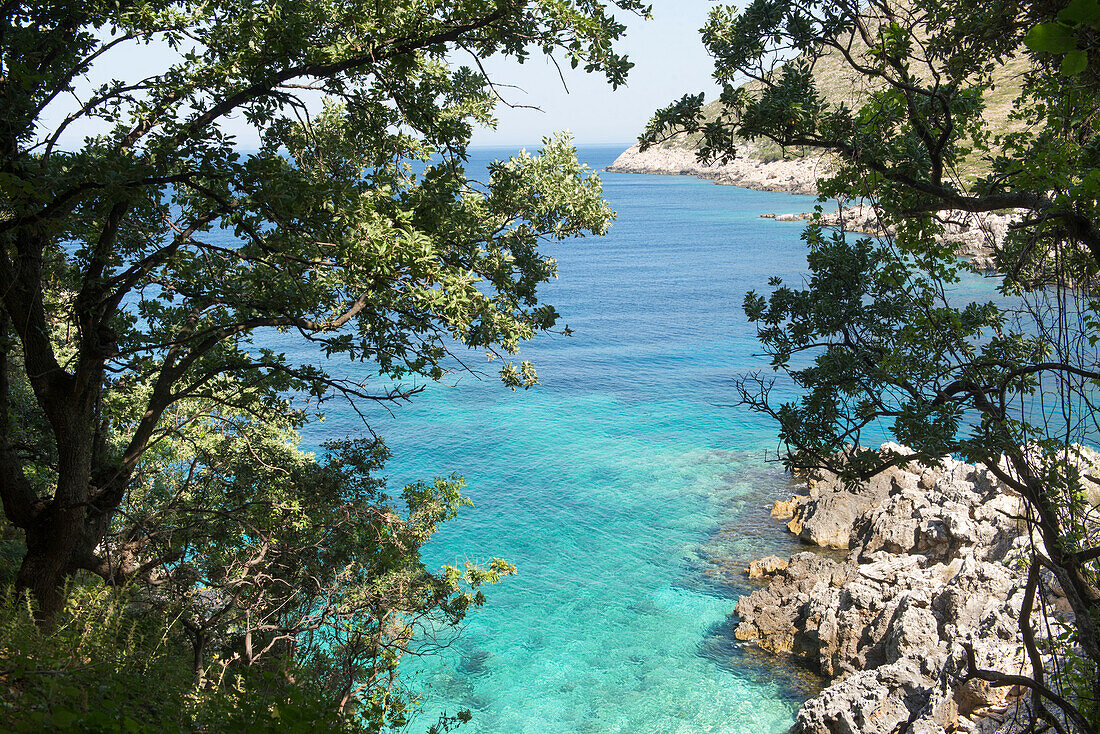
{"x":936,"y":557}
{"x":747,"y":170}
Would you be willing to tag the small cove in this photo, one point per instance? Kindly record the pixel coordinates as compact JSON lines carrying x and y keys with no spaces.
{"x":626,"y":488}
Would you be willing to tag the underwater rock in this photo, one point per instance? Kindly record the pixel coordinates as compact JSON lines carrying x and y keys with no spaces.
{"x":766,"y":566}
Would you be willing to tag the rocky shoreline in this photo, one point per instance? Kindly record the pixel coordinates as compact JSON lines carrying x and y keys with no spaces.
{"x":747,"y":170}
{"x":974,"y":235}
{"x":936,"y":560}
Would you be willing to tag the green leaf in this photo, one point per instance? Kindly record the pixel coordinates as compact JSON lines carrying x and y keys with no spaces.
{"x":1050,"y":37}
{"x":1075,"y":62}
{"x":1081,"y":12}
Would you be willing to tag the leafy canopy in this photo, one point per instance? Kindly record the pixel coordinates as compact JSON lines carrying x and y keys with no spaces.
{"x":172,"y":310}
{"x":138,"y":268}
{"x":878,"y":335}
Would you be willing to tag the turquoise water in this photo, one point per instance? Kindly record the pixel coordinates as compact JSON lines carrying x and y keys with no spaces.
{"x":626,"y":489}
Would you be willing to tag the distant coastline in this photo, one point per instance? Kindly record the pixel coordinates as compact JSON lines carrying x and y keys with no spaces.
{"x":747,"y":170}
{"x":974,"y":236}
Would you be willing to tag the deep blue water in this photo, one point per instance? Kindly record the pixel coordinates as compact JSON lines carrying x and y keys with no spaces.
{"x":625,"y":488}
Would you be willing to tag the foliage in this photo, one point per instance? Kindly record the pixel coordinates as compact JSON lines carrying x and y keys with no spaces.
{"x":172,"y":309}
{"x":877,"y":336}
{"x":281,"y":559}
{"x":1060,"y":35}
{"x":354,"y":228}
{"x":96,"y":670}
{"x":105,"y":668}
{"x":294,"y":590}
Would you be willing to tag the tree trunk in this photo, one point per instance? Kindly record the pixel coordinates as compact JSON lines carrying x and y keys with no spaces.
{"x":56,"y":537}
{"x":43,"y":573}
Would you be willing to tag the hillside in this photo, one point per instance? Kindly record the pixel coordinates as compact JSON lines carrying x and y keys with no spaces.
{"x":765,"y":165}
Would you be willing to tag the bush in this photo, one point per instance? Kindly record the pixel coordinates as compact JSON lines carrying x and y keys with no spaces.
{"x":110,"y":663}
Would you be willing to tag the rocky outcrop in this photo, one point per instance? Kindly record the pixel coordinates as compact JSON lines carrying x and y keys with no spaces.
{"x":935,"y":560}
{"x":825,"y":518}
{"x":765,"y":566}
{"x":748,"y":170}
{"x":973,"y":235}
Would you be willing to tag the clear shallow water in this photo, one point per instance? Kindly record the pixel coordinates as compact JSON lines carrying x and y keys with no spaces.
{"x":625,"y":488}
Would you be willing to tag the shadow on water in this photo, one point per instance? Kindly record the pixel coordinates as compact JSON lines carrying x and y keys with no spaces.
{"x":474,"y":664}
{"x":795,"y":682}
{"x":460,"y":685}
{"x":745,"y":532}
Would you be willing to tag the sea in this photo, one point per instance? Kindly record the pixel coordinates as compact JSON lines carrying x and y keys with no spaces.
{"x":628,"y":488}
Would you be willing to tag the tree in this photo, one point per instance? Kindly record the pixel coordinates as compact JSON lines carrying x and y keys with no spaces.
{"x":136,"y":270}
{"x":294,"y":591}
{"x":170,"y":308}
{"x":875,"y":335}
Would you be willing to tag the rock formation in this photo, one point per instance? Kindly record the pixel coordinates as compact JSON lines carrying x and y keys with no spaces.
{"x":936,"y":557}
{"x":796,"y":176}
{"x":974,"y":235}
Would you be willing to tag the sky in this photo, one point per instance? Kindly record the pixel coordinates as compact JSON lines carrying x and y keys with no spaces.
{"x":669,"y":59}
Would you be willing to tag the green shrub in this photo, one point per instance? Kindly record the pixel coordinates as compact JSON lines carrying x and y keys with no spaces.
{"x":111,"y":663}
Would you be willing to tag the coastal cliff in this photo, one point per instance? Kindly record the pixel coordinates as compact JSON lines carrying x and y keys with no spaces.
{"x":936,"y":561}
{"x":748,"y":170}
{"x":974,"y":236}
